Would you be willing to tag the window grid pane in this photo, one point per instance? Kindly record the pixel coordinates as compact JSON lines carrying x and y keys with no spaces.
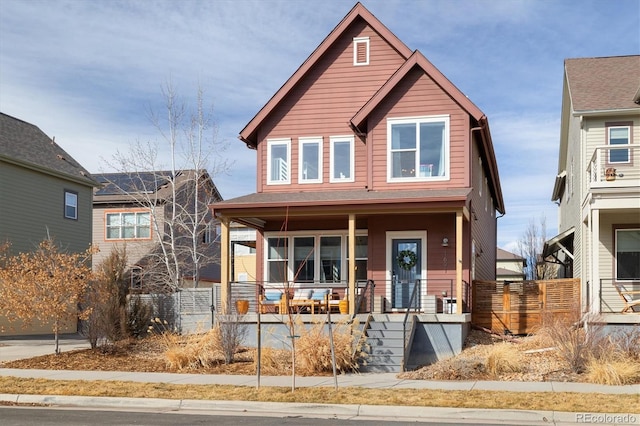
{"x":128,"y":225}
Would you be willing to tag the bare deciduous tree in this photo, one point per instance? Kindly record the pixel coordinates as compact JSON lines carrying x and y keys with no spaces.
{"x":530,"y":247}
{"x":180,"y":221}
{"x":46,"y":285}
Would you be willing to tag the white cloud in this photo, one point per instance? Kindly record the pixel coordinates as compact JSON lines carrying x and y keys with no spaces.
{"x":87,"y":72}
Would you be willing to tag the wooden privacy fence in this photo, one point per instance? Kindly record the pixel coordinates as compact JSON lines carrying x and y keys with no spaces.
{"x":520,"y":307}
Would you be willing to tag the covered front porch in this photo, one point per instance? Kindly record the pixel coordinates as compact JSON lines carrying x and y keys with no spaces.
{"x":378,"y":246}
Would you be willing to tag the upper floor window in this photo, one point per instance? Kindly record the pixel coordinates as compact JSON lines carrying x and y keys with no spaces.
{"x":70,"y":204}
{"x":310,"y":160}
{"x":627,"y":254}
{"x":418,"y":148}
{"x":128,"y":225}
{"x":619,"y":135}
{"x":342,"y":158}
{"x":278,"y":154}
{"x":361,"y":51}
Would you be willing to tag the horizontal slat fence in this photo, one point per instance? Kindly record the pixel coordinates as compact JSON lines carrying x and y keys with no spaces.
{"x":521,"y":307}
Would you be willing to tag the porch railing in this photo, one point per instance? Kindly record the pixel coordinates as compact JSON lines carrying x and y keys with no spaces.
{"x":441,"y":295}
{"x":251,"y":291}
{"x":408,"y":337}
{"x":614,"y":166}
{"x":610,"y":300}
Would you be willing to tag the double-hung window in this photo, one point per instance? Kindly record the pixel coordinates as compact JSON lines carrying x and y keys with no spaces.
{"x":70,"y":204}
{"x":418,"y":148}
{"x":341,"y":158}
{"x":128,"y":225}
{"x":277,"y":257}
{"x":618,"y":135}
{"x":310,"y":167}
{"x":627,"y":254}
{"x":278,"y":155}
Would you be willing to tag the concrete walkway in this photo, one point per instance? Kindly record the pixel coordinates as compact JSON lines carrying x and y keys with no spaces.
{"x":27,"y":347}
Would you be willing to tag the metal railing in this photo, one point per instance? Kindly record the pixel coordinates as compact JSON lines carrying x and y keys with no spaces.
{"x":252,"y":290}
{"x":409,"y":338}
{"x":614,"y":166}
{"x":441,"y":294}
{"x":610,"y":299}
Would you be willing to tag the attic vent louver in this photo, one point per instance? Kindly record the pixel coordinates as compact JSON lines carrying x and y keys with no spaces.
{"x":361,"y":51}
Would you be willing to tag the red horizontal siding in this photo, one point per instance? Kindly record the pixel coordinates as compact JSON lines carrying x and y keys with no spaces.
{"x":324,"y":101}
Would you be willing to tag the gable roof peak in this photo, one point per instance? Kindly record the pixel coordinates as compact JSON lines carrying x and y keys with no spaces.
{"x":248,"y":134}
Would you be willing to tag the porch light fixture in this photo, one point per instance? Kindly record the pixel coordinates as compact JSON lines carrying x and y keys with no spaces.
{"x":445,"y":244}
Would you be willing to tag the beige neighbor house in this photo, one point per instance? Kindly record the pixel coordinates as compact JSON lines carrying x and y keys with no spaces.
{"x":509,"y":266}
{"x":376,"y":176}
{"x":123,"y":218}
{"x":598,"y":183}
{"x":44,"y":193}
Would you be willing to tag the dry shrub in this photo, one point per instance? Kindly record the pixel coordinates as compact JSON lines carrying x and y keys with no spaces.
{"x":504,"y":358}
{"x":577,"y":342}
{"x":313,"y":348}
{"x":274,"y":362}
{"x":230,"y":333}
{"x":627,"y":342}
{"x":618,"y":370}
{"x":187,"y":352}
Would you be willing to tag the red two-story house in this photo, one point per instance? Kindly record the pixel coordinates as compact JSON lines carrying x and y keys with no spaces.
{"x":371,"y":167}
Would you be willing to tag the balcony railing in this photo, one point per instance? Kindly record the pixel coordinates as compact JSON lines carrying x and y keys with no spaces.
{"x":614,"y":166}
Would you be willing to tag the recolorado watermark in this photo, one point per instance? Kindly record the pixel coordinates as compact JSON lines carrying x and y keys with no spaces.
{"x":600,"y":418}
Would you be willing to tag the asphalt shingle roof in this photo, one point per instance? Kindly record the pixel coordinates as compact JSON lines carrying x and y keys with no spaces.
{"x":26,"y":144}
{"x":601,"y":84}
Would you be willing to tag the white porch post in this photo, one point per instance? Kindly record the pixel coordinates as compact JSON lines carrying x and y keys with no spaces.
{"x":225,"y":259}
{"x":352,"y":264}
{"x":596,"y":285}
{"x":459,"y":262}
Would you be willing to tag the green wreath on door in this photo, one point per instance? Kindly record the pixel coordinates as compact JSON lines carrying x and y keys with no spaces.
{"x":407,"y":259}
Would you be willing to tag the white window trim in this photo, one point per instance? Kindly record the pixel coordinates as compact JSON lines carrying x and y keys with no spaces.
{"x":356,"y":42}
{"x":447,"y":150}
{"x":301,"y":142}
{"x":135,"y":232}
{"x":332,"y":141}
{"x":290,"y":248}
{"x":619,"y":146}
{"x":270,"y":143}
{"x":393,"y":235}
{"x":75,"y":206}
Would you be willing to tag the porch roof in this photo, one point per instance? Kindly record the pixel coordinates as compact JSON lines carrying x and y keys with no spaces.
{"x":253,"y":209}
{"x":561,"y":242}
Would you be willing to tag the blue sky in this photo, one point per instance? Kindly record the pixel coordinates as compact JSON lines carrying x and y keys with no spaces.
{"x":87,"y":72}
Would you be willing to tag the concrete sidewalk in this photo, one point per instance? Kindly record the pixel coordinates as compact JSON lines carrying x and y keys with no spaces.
{"x":28,"y":347}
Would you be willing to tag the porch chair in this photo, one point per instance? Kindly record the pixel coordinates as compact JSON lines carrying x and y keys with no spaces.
{"x":270,"y":300}
{"x":631,"y":305}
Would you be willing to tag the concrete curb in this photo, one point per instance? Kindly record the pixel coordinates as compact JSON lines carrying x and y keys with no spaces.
{"x":338,"y":411}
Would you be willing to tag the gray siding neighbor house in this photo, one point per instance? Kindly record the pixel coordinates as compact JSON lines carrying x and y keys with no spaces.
{"x":43,"y":191}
